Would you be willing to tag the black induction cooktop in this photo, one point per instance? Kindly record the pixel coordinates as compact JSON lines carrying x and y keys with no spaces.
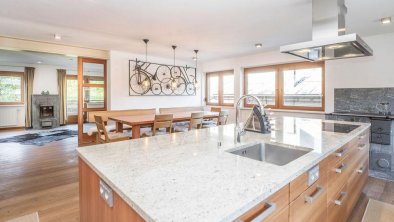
{"x":338,"y":127}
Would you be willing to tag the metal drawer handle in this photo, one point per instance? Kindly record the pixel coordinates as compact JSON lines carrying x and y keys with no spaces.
{"x":341,"y":199}
{"x":271,"y":208}
{"x":362,"y":146}
{"x":341,"y":169}
{"x":341,"y":154}
{"x":311,"y":199}
{"x":360,"y":170}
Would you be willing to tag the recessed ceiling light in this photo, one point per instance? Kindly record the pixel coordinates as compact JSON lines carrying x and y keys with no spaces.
{"x":258,"y":45}
{"x":57,"y":36}
{"x":386,"y":20}
{"x":39,"y":62}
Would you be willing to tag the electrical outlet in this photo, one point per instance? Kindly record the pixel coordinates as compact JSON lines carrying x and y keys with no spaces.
{"x":106,"y":193}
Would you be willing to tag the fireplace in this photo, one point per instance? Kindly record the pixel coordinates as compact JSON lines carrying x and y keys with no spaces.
{"x":46,"y":112}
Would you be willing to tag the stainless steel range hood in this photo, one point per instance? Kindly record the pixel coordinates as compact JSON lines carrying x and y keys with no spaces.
{"x":329,"y":40}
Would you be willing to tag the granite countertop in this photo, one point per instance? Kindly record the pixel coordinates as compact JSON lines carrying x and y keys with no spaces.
{"x":188,"y":177}
{"x":372,"y":115}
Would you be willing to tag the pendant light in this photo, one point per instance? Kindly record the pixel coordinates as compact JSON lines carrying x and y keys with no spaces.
{"x":174,"y":84}
{"x":145,"y":82}
{"x":196,"y":84}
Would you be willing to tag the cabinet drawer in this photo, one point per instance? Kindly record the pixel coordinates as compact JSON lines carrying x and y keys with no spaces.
{"x":337,"y":206}
{"x":379,"y":138}
{"x":337,"y":176}
{"x":301,"y":183}
{"x":270,"y":208}
{"x":339,"y":155}
{"x":311,"y":204}
{"x":356,"y":183}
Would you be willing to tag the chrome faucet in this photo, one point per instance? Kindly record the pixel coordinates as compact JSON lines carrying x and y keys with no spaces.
{"x":240,"y":130}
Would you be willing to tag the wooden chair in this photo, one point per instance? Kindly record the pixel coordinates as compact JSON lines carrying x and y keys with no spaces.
{"x":216,"y":109}
{"x":195,"y":122}
{"x":161,"y":121}
{"x":221,"y":120}
{"x":103,"y":136}
{"x":223,"y":116}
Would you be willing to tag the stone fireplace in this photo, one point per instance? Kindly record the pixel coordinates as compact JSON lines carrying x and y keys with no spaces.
{"x":45,"y":111}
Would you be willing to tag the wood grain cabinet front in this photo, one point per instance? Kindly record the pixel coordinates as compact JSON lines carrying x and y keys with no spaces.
{"x":272,"y":209}
{"x":337,"y":206}
{"x":311,"y":204}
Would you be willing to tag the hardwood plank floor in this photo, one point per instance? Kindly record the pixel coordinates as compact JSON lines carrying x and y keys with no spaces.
{"x":377,"y":189}
{"x":39,"y":178}
{"x":45,"y":179}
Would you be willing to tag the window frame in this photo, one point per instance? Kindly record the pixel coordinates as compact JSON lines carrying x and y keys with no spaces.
{"x":279,"y":91}
{"x":15,"y":74}
{"x":219,"y":74}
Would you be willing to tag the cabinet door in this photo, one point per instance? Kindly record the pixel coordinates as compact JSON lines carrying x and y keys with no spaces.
{"x":311,"y":204}
{"x":270,"y":209}
{"x":337,"y":206}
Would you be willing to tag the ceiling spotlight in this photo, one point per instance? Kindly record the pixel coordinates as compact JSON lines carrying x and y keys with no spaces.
{"x":386,"y":20}
{"x":57,"y":36}
{"x":195,"y":58}
{"x":258,"y":45}
{"x":39,"y":62}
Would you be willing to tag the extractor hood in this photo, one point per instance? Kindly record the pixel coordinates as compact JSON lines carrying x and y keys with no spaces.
{"x":329,"y":40}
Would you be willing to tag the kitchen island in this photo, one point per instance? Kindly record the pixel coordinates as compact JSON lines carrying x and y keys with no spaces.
{"x":192,"y":176}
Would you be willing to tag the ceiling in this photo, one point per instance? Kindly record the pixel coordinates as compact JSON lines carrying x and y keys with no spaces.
{"x":26,"y":58}
{"x":219,"y":29}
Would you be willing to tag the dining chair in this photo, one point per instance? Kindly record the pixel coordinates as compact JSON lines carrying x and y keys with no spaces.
{"x":103,"y":136}
{"x":216,"y":109}
{"x":221,"y":120}
{"x":163,"y":121}
{"x":195,"y":122}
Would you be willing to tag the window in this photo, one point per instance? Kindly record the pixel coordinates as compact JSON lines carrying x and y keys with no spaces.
{"x":220,"y":88}
{"x":11,"y":88}
{"x":72,"y":95}
{"x":289,"y":86}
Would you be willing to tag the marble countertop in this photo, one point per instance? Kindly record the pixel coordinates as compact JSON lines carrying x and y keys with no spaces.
{"x":188,"y":177}
{"x":372,"y":115}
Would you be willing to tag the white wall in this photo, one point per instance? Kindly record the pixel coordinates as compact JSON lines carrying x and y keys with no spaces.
{"x":375,"y":71}
{"x":366,"y":72}
{"x":118,"y":85}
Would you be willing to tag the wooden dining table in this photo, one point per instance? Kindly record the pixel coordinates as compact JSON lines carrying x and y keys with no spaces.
{"x":137,"y":121}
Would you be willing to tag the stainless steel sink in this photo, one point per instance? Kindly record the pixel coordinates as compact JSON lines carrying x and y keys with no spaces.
{"x":278,"y":155}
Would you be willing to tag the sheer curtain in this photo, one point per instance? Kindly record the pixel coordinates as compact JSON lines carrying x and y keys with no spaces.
{"x":62,"y":91}
{"x":28,"y":77}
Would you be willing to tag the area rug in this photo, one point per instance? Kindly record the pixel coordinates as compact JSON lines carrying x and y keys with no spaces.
{"x":378,"y":211}
{"x":41,"y":138}
{"x":27,"y":218}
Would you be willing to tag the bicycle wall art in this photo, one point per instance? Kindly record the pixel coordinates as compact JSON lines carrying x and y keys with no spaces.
{"x":152,"y":79}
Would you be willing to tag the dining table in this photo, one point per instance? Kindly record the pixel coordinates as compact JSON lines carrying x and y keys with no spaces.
{"x":138,"y":121}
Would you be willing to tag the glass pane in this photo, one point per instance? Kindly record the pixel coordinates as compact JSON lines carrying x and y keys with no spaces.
{"x":262,"y":85}
{"x":93,"y":97}
{"x":213,"y":89}
{"x":72,"y":97}
{"x":10,"y":89}
{"x":228,"y":89}
{"x":93,"y":72}
{"x":302,"y":87}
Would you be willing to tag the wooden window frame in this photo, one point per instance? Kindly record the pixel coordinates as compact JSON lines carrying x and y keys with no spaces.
{"x":279,"y":92}
{"x":15,"y":74}
{"x":220,"y":74}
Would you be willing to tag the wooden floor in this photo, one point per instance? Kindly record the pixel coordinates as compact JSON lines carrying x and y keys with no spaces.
{"x":39,"y":178}
{"x":45,"y":179}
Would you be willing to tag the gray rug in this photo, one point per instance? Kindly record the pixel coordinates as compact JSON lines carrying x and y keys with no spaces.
{"x":41,"y":138}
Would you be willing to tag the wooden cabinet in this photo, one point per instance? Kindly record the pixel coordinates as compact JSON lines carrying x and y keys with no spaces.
{"x":93,"y":207}
{"x":272,"y":209}
{"x":308,"y":205}
{"x":337,"y":205}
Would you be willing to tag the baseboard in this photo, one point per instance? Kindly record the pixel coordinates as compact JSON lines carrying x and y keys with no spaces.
{"x":12,"y":128}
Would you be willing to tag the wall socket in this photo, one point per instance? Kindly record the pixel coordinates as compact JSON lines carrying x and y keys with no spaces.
{"x":106,"y":193}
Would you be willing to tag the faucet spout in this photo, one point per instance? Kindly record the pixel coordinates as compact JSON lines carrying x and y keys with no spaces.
{"x":240,"y":130}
